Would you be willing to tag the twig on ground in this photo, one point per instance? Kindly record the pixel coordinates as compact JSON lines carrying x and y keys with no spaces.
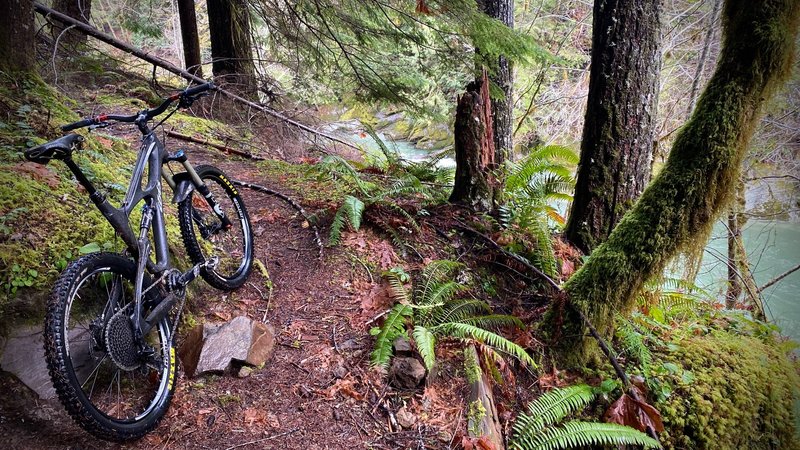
{"x":219,"y":147}
{"x":274,"y":436}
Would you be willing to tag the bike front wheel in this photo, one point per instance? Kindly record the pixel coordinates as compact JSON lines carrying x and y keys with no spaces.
{"x":105,"y":383}
{"x":205,"y":236}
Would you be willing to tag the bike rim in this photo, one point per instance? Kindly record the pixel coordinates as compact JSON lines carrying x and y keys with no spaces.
{"x":231,"y":246}
{"x":122,"y":396}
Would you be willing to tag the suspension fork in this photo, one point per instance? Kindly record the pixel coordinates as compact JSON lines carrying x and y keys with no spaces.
{"x":201,"y":187}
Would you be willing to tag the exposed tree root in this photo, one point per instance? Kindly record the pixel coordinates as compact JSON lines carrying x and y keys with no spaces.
{"x":292,"y":203}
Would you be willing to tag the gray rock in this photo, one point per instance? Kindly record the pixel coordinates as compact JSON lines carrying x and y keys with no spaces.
{"x":340,"y":371}
{"x":402,"y":347}
{"x":211,"y":348}
{"x":406,"y":373}
{"x":23,"y":356}
{"x":406,"y":418}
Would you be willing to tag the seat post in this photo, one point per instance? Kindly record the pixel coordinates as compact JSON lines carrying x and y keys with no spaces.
{"x":83,"y":180}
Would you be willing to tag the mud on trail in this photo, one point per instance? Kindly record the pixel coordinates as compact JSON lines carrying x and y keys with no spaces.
{"x":317,"y":391}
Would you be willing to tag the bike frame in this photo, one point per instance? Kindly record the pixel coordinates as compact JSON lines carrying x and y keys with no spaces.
{"x":152,"y":157}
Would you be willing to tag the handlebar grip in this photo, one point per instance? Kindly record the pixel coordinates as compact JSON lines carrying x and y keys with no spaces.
{"x":199,"y":89}
{"x":79,"y":124}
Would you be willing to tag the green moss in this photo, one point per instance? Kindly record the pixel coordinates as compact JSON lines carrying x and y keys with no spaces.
{"x":471,"y":367}
{"x":476,"y":412}
{"x":740,"y":394}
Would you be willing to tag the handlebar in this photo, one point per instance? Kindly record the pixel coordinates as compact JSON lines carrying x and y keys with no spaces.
{"x":186,"y":97}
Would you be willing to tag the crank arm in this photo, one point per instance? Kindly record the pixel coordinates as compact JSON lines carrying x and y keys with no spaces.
{"x":189,"y":276}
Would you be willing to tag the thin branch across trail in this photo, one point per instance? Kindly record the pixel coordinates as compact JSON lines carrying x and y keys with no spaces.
{"x":219,"y":147}
{"x":779,"y":277}
{"x":292,"y":203}
{"x":156,"y":61}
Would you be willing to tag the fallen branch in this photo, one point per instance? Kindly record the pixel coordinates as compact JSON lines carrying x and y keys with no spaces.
{"x":219,"y":147}
{"x":511,"y":255}
{"x":166,"y":65}
{"x":779,"y":278}
{"x":292,"y":203}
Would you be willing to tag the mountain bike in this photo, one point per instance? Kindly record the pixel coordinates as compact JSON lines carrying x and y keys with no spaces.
{"x":112,"y":318}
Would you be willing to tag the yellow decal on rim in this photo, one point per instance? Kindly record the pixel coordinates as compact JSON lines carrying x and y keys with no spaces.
{"x":172,"y":368}
{"x":228,"y":183}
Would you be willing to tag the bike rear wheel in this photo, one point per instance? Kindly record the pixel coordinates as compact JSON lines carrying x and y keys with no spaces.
{"x":204,"y":236}
{"x":101,"y":380}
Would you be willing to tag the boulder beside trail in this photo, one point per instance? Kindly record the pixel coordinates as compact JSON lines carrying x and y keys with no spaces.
{"x":210,"y":348}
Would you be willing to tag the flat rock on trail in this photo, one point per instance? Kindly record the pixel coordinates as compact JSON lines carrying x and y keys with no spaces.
{"x":317,"y":390}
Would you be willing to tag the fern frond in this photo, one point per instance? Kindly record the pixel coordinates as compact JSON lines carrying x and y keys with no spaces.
{"x":393,"y":327}
{"x":494,"y":321}
{"x":426,"y":343}
{"x":581,"y":434}
{"x":457,"y":310}
{"x":351,"y":211}
{"x":436,"y":272}
{"x":467,"y":331}
{"x":397,"y":289}
{"x":633,"y":344}
{"x":552,"y":407}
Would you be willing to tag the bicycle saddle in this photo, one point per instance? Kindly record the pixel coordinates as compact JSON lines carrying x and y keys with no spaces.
{"x":60,"y":148}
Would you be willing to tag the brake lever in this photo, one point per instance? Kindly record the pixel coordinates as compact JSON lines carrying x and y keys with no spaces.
{"x":98,"y":125}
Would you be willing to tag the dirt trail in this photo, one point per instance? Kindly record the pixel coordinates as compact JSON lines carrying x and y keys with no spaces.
{"x":317,"y":391}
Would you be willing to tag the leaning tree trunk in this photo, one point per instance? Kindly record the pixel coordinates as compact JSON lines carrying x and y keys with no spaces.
{"x":474,"y":147}
{"x":740,"y":275}
{"x":77,"y":9}
{"x":502,"y":75}
{"x":191,"y":41}
{"x":16,"y":35}
{"x":231,"y":45}
{"x":619,"y":129}
{"x":682,"y":203}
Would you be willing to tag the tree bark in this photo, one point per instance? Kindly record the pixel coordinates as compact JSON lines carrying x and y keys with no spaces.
{"x":474,"y":147}
{"x":231,"y":45}
{"x":77,"y":9}
{"x":16,"y":35}
{"x":740,"y":275}
{"x":618,"y":132}
{"x":189,"y":36}
{"x":680,"y":206}
{"x":701,"y":63}
{"x":502,"y":76}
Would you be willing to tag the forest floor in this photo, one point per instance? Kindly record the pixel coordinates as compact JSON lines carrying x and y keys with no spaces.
{"x":318,"y":390}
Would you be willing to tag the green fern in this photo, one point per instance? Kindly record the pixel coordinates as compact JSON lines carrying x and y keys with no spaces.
{"x":426,"y":344}
{"x":393,"y":327}
{"x":350,"y":212}
{"x":537,"y":429}
{"x":582,"y":434}
{"x":438,"y":315}
{"x":467,"y":331}
{"x":633,"y":344}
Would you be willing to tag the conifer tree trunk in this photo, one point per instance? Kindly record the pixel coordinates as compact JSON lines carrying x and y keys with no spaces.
{"x":231,"y":45}
{"x":77,"y":9}
{"x":191,"y":41}
{"x":618,"y":132}
{"x":502,"y":75}
{"x":16,"y":35}
{"x":680,"y":206}
{"x":474,"y":148}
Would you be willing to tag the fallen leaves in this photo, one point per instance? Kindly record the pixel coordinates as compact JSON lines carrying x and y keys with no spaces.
{"x":39,"y":172}
{"x":260,"y":417}
{"x":634,"y":413}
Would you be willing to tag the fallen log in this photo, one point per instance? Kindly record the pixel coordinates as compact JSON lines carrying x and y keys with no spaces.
{"x":483,"y":422}
{"x":166,"y":65}
{"x":219,"y":147}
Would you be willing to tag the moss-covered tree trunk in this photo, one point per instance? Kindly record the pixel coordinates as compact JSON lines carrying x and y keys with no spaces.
{"x":191,"y":41}
{"x":618,"y":132}
{"x":77,"y":9}
{"x":681,"y":204}
{"x":502,"y":76}
{"x":231,"y":45}
{"x":474,"y":147}
{"x":16,"y":35}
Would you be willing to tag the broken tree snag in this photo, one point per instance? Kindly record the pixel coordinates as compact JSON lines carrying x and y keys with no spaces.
{"x":483,"y":423}
{"x":474,"y":145}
